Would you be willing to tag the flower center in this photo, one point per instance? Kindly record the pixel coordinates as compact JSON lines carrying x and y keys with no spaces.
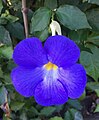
{"x":50,"y":66}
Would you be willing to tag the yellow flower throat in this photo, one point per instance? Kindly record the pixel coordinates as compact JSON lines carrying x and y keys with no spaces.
{"x":50,"y":66}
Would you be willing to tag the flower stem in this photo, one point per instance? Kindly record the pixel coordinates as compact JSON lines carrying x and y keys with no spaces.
{"x":25,"y":18}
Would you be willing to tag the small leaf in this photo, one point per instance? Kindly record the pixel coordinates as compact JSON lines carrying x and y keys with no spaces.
{"x":15,"y":106}
{"x":94,"y":86}
{"x":7,"y":52}
{"x":40,"y":19}
{"x":73,"y":114}
{"x":93,"y":18}
{"x":4,"y":36}
{"x":93,"y":38}
{"x":16,"y":30}
{"x":78,"y":36}
{"x":78,"y":116}
{"x":47,"y":111}
{"x":68,"y":116}
{"x":42,"y":35}
{"x":3,"y":95}
{"x":23,"y":116}
{"x":97,"y":108}
{"x":33,"y":112}
{"x":75,"y":103}
{"x":72,"y":17}
{"x":3,"y":21}
{"x":59,"y":108}
{"x":91,"y":63}
{"x":56,"y":118}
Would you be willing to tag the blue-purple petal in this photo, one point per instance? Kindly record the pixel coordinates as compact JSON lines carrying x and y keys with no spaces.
{"x":25,"y":80}
{"x":74,"y":79}
{"x":30,"y":53}
{"x":61,"y":51}
{"x":50,"y":91}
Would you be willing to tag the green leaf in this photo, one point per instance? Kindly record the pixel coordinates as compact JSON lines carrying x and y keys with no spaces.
{"x":68,"y":116}
{"x":97,"y":108}
{"x":56,"y":118}
{"x":94,"y":86}
{"x":7,"y":52}
{"x":78,"y":36}
{"x":72,"y":17}
{"x":3,"y":21}
{"x":9,"y":17}
{"x":47,"y":111}
{"x":15,"y":106}
{"x":78,"y":116}
{"x":3,"y":95}
{"x":40,"y":19}
{"x":16,"y":30}
{"x":23,"y":116}
{"x":94,"y":1}
{"x":91,"y":63}
{"x":42,"y":35}
{"x":59,"y":108}
{"x":75,"y":103}
{"x":52,"y":4}
{"x":4,"y":36}
{"x":93,"y":18}
{"x":33,"y":112}
{"x":73,"y":114}
{"x":1,"y":73}
{"x":93,"y":38}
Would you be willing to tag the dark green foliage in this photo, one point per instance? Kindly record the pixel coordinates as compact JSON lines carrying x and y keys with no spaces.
{"x":79,"y":20}
{"x":72,"y":17}
{"x":40,"y":19}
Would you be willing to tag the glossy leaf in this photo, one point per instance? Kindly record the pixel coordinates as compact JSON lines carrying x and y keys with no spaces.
{"x":6,"y":52}
{"x":78,"y":36}
{"x":15,"y":106}
{"x":93,"y":18}
{"x":4,"y":36}
{"x":93,"y":38}
{"x":40,"y":19}
{"x":94,"y":86}
{"x":91,"y":63}
{"x":78,"y":116}
{"x":72,"y":17}
{"x":73,"y":114}
{"x":75,"y":103}
{"x":42,"y":35}
{"x":16,"y":30}
{"x":3,"y":95}
{"x":47,"y":111}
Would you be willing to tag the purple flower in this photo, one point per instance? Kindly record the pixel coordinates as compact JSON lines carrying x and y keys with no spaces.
{"x":48,"y":73}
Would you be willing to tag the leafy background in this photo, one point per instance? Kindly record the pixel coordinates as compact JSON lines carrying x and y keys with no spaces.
{"x":79,"y":20}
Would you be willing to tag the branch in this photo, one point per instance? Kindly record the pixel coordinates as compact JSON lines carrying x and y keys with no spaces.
{"x":25,"y":18}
